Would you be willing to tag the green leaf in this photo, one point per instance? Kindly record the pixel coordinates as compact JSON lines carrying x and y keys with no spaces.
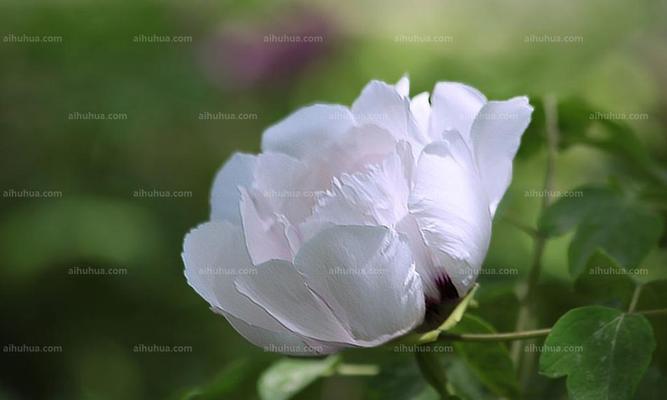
{"x":534,"y":137}
{"x":226,"y":383}
{"x":465,"y":383}
{"x":490,"y":362}
{"x":626,"y":233}
{"x":498,"y":304}
{"x":580,"y":124}
{"x":567,"y":212}
{"x":574,"y":121}
{"x":289,"y":376}
{"x":602,"y":351}
{"x":617,"y":138}
{"x":654,"y":296}
{"x":401,"y":381}
{"x":433,"y":370}
{"x":604,"y":282}
{"x":623,"y":229}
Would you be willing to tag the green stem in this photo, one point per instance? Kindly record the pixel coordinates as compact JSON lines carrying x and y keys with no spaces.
{"x":635,"y":297}
{"x":524,"y":361}
{"x":652,"y":312}
{"x":357,"y":369}
{"x":530,"y":231}
{"x":511,"y":336}
{"x":432,"y":370}
{"x":494,"y":337}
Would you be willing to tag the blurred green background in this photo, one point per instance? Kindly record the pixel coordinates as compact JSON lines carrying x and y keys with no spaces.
{"x":157,"y":98}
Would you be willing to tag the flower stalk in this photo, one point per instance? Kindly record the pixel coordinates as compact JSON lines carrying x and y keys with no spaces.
{"x":524,"y":361}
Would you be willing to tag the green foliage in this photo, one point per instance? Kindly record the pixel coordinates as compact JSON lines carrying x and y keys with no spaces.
{"x":605,"y":221}
{"x":162,"y":88}
{"x":501,"y":379}
{"x":605,"y":282}
{"x":401,"y":380}
{"x":464,"y":382}
{"x":580,"y":123}
{"x":225,"y":383}
{"x":79,"y":228}
{"x":450,"y":322}
{"x":289,"y":376}
{"x":654,"y":297}
{"x":602,"y":351}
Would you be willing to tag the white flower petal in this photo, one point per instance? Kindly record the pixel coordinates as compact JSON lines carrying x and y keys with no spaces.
{"x":375,"y":196}
{"x":225,"y":196}
{"x":281,"y":291}
{"x":285,"y":184}
{"x":451,"y":209}
{"x":421,"y":111}
{"x":454,"y":106}
{"x":403,"y":86}
{"x":214,"y":254}
{"x":266,"y":233}
{"x":367,"y":277}
{"x":308,"y":130}
{"x":382,"y":105}
{"x":496,"y":135}
{"x":284,"y":342}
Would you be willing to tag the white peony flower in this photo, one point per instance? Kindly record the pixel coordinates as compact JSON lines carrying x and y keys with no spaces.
{"x":352,"y":223}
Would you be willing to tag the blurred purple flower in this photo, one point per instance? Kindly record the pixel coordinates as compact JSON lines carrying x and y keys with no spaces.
{"x":245,"y":56}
